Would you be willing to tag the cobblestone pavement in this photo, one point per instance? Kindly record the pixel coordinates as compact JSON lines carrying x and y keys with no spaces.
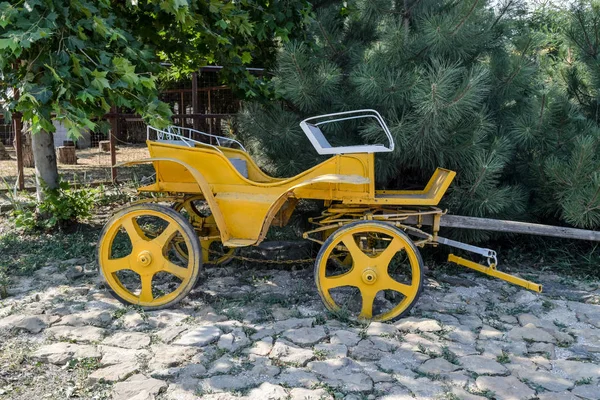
{"x":263,"y":334}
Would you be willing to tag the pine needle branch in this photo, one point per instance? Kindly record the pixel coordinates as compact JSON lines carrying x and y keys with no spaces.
{"x":465,"y":18}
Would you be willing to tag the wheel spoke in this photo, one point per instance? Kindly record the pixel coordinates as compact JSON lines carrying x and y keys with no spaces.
{"x":368,"y":298}
{"x":346,"y":279}
{"x":176,"y":270}
{"x":353,"y":249}
{"x":392,"y":284}
{"x":166,"y":235}
{"x":116,"y":264}
{"x":146,"y":292}
{"x":133,"y":230}
{"x":384,"y":259}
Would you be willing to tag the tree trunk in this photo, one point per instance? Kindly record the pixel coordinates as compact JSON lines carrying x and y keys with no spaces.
{"x":3,"y":153}
{"x":46,"y":170}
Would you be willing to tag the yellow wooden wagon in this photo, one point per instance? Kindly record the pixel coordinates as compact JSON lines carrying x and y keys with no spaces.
{"x":369,"y":263}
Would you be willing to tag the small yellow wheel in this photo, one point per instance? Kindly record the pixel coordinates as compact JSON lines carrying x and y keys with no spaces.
{"x":369,"y":270}
{"x":136,"y":257}
{"x":199,"y":215}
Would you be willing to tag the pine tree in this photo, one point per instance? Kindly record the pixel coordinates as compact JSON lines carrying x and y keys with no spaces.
{"x":463,"y":85}
{"x":557,"y":133}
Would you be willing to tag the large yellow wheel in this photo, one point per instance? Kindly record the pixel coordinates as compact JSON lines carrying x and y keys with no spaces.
{"x":369,"y":270}
{"x":137,"y":260}
{"x":198,"y":213}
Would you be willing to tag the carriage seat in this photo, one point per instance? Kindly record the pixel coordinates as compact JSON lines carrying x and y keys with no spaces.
{"x":241,"y":165}
{"x":323,"y":147}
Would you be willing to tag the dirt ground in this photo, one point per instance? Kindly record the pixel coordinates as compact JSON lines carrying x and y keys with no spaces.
{"x":93,"y":165}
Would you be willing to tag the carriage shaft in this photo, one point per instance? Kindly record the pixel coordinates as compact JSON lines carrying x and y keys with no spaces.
{"x":486,"y":224}
{"x":492,"y":271}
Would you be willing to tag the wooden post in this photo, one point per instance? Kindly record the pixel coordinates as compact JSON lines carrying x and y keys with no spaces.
{"x":209,"y":112}
{"x":195,"y":108}
{"x":182,"y":107}
{"x":114,"y":128}
{"x":104,"y":145}
{"x":17,"y":128}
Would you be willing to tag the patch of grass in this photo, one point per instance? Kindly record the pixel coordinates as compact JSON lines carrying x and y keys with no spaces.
{"x":451,"y":396}
{"x":565,"y":257}
{"x":119,"y":312}
{"x":428,"y":375}
{"x":261,"y":279}
{"x":461,"y":310}
{"x":143,"y":361}
{"x":233,"y":313}
{"x":87,"y":364}
{"x":534,"y":386}
{"x":503,"y":358}
{"x":328,"y":388}
{"x":248,"y":330}
{"x":485,"y":393}
{"x":342,"y":315}
{"x":296,"y":313}
{"x":584,"y":381}
{"x":320,"y":355}
{"x":320,"y":319}
{"x":449,"y":356}
{"x":24,"y":253}
{"x":520,"y":309}
{"x":560,"y":324}
{"x":4,"y":282}
{"x":547,"y":305}
{"x":190,"y":319}
{"x":203,"y":392}
{"x":363,"y":334}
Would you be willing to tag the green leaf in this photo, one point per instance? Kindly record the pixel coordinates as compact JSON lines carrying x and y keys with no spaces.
{"x":54,"y":74}
{"x":85,"y":96}
{"x":100,"y":82}
{"x":246,"y":57}
{"x":8,"y":43}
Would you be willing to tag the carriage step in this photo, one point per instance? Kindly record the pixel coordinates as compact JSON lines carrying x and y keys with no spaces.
{"x":239,"y":242}
{"x":492,"y":271}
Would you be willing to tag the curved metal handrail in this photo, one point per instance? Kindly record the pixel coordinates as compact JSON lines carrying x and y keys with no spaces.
{"x":365,"y":113}
{"x":221,"y":141}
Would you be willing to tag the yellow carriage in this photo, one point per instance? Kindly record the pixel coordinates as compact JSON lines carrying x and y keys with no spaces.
{"x":369,"y":263}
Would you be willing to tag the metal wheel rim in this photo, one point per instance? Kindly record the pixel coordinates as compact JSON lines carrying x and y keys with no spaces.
{"x":141,"y":246}
{"x":354,"y":277}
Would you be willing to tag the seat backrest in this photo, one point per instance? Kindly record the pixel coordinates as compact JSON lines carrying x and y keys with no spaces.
{"x":322,"y":145}
{"x":240,"y":165}
{"x":317,"y":134}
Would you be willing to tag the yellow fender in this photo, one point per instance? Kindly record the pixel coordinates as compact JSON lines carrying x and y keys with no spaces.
{"x":328,"y":178}
{"x":202,"y":184}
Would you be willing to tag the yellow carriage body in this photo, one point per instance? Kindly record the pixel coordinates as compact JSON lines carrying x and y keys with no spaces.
{"x":368,"y":237}
{"x":244,"y":207}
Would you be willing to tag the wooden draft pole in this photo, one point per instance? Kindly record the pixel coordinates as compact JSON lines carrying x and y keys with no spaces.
{"x":114,"y":128}
{"x":17,"y":129}
{"x":497,"y":225}
{"x":457,"y":221}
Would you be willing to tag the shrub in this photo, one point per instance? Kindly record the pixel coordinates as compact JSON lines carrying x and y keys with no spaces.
{"x":60,"y":208}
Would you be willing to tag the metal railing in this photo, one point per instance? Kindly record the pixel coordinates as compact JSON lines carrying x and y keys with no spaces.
{"x":189,"y":137}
